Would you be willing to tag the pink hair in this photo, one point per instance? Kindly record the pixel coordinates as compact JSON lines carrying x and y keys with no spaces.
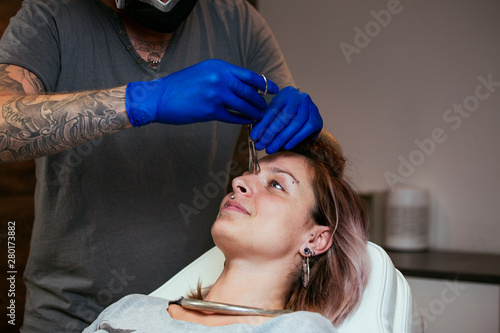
{"x":339,"y":276}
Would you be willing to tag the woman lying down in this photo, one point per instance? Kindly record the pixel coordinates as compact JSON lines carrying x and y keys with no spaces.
{"x":294,"y":238}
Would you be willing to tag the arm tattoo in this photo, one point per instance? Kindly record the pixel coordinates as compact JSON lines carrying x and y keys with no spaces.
{"x":33,"y":81}
{"x":20,"y":80}
{"x":41,"y":125}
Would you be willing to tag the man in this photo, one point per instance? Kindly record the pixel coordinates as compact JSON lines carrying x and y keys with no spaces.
{"x":119,"y":210}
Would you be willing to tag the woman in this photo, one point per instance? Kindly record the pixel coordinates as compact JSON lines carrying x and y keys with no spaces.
{"x":294,"y":237}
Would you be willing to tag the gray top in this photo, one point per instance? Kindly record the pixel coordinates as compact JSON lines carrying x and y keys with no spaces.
{"x":139,"y":313}
{"x":123,"y":214}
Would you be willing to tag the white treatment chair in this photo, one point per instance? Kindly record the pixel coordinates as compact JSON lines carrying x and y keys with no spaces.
{"x":387,"y":304}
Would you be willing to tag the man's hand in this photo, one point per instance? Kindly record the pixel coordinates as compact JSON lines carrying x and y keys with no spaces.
{"x":210,"y":90}
{"x":289,"y":119}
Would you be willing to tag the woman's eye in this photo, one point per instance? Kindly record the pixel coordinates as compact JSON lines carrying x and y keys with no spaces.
{"x":276,"y":185}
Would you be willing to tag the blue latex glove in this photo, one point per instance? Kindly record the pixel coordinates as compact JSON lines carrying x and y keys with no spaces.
{"x":206,"y":91}
{"x":290,"y":118}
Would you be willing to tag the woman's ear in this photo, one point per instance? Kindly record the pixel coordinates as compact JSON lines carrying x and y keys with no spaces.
{"x":320,"y":240}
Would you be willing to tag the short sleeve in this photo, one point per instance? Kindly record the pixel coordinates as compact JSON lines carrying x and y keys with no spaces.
{"x":267,"y":57}
{"x":31,"y":41}
{"x":254,"y":40}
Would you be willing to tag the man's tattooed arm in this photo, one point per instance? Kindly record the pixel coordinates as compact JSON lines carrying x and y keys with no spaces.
{"x":35,"y":124}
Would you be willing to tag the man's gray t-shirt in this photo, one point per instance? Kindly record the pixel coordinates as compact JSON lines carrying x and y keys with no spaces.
{"x":124,"y":213}
{"x":141,"y":314}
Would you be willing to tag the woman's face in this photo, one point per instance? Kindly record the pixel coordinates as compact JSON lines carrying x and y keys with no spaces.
{"x":270,"y":215}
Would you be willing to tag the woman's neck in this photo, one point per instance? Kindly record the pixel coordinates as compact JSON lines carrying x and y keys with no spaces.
{"x":255,"y":285}
{"x":245,"y":284}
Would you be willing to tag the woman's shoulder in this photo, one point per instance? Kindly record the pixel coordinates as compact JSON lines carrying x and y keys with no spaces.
{"x":129,"y":313}
{"x":300,"y":321}
{"x":134,"y":301}
{"x":134,"y":305}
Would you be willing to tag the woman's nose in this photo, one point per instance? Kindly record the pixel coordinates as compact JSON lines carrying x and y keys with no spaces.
{"x":241,"y":185}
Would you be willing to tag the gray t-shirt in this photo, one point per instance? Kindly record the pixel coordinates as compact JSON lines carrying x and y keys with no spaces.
{"x":139,"y":313}
{"x":123,"y":214}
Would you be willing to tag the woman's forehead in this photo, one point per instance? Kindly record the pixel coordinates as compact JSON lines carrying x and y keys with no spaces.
{"x":288,"y":160}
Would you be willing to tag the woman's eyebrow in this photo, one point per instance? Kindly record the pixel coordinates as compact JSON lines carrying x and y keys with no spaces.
{"x":280,"y":170}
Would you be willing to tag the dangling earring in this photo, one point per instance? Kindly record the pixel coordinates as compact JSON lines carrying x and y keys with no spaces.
{"x":305,"y":267}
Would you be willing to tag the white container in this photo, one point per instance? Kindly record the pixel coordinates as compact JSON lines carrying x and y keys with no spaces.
{"x":407,"y":219}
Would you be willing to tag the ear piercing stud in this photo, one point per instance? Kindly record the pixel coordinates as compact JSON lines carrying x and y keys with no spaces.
{"x":305,"y":267}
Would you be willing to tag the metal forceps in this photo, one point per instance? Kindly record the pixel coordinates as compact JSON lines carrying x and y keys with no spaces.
{"x":253,"y":162}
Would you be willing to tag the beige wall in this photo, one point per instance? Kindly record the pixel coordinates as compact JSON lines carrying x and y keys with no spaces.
{"x":404,"y":81}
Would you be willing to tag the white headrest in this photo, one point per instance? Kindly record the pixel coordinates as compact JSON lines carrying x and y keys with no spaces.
{"x":386,"y":305}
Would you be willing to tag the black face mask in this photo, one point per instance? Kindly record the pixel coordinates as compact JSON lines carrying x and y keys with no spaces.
{"x":155,"y":19}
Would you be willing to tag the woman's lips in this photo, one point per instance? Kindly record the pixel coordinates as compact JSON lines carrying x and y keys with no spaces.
{"x":235,"y":206}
